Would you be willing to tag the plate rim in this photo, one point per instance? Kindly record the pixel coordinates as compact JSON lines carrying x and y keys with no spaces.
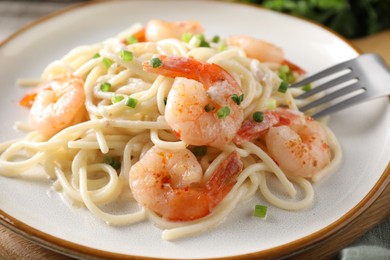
{"x":286,"y":250}
{"x":72,"y":249}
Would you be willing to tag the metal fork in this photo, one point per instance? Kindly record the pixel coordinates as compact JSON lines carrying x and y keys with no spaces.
{"x":370,"y":76}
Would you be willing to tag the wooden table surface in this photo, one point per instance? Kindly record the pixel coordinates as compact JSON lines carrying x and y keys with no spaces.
{"x":14,"y":246}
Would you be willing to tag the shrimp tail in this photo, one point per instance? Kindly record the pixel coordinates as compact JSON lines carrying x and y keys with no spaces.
{"x":140,"y":35}
{"x":293,"y":67}
{"x":28,"y":100}
{"x":223,"y":179}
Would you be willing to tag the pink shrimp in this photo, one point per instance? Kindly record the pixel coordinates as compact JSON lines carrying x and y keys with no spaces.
{"x":171,"y":183}
{"x":297,"y":143}
{"x":262,"y":51}
{"x":257,"y":49}
{"x":156,"y":30}
{"x":195,"y":101}
{"x":56,"y":105}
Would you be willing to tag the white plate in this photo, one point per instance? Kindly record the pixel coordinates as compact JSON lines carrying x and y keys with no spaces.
{"x":32,"y":209}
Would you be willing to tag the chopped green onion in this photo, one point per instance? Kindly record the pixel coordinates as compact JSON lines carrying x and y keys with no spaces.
{"x":284,"y":69}
{"x":306,"y":87}
{"x":126,"y":55}
{"x":186,"y":37}
{"x":105,"y":87}
{"x":114,"y":163}
{"x":200,"y":37}
{"x":215,"y":39}
{"x":271,"y":104}
{"x":286,"y":74}
{"x":203,"y":42}
{"x":116,"y":99}
{"x":165,"y":100}
{"x":290,"y":78}
{"x":209,"y":107}
{"x":222,"y":47}
{"x":131,"y":102}
{"x":223,"y":112}
{"x":260,"y":211}
{"x":237,"y":99}
{"x":107,"y":63}
{"x":131,"y":39}
{"x":199,"y":150}
{"x":283,"y":86}
{"x":97,"y":55}
{"x":155,"y":63}
{"x":258,"y":116}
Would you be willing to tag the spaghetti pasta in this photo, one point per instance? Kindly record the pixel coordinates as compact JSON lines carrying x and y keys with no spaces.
{"x":90,"y":159}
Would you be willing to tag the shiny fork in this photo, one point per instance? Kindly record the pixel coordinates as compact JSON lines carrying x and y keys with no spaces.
{"x":368,"y":77}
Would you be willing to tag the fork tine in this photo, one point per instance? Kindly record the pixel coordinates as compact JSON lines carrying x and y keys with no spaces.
{"x":322,"y":74}
{"x":360,"y":82}
{"x":326,"y":85}
{"x":331,"y":96}
{"x":339,"y":106}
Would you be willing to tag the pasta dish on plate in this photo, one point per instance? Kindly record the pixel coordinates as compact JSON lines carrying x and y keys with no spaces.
{"x":180,"y":127}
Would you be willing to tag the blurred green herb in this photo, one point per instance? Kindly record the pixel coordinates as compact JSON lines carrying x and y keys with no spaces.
{"x":351,"y":18}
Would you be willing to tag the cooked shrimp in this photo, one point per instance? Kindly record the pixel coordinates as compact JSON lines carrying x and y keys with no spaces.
{"x":257,"y":49}
{"x":199,"y":107}
{"x":297,"y":143}
{"x":56,"y":105}
{"x":262,"y":51}
{"x":171,"y":183}
{"x":157,"y":30}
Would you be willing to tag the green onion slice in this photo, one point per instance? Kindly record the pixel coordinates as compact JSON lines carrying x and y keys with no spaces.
{"x":202,"y":40}
{"x":131,"y":102}
{"x":186,"y":37}
{"x":223,"y":112}
{"x":107,"y":63}
{"x":260,"y":211}
{"x":237,"y":99}
{"x":131,"y":39}
{"x":204,"y":44}
{"x":215,"y":39}
{"x":116,"y":99}
{"x":97,"y":55}
{"x":200,"y":37}
{"x":271,"y":104}
{"x":284,"y":69}
{"x":258,"y":116}
{"x":105,"y":87}
{"x":306,"y":87}
{"x":283,"y":86}
{"x":291,"y":78}
{"x":126,"y":55}
{"x":155,"y":63}
{"x":286,"y":74}
{"x":222,"y":47}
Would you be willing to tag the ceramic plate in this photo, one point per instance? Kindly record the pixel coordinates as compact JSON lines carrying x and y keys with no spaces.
{"x":33,"y":209}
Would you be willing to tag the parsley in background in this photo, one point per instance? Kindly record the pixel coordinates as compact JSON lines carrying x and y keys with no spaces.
{"x":351,"y":18}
